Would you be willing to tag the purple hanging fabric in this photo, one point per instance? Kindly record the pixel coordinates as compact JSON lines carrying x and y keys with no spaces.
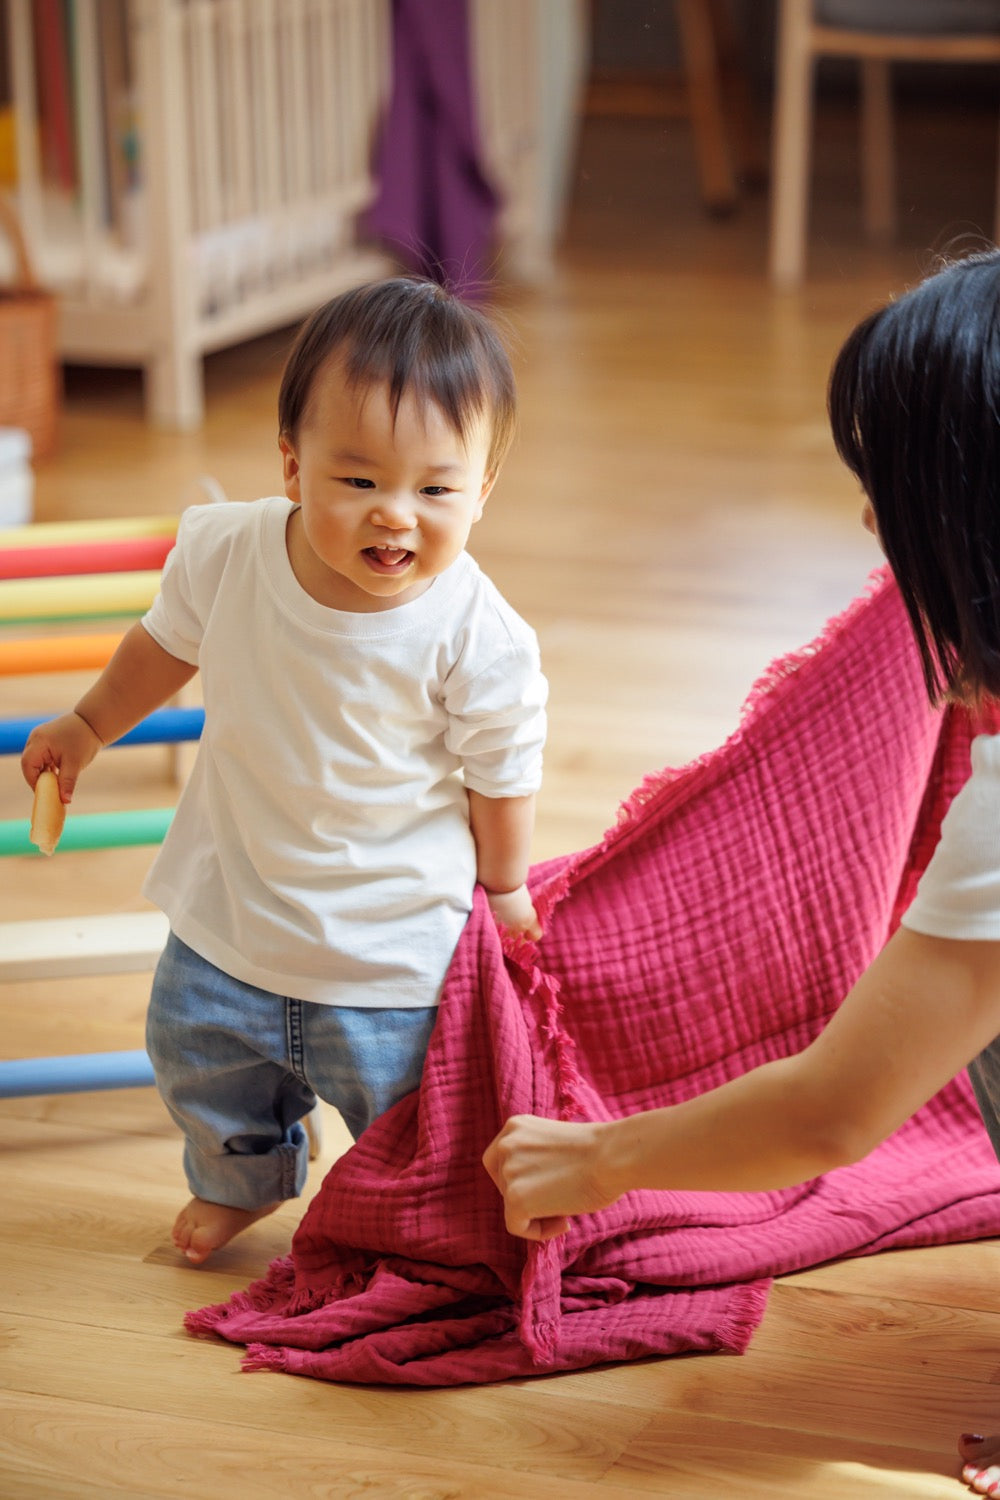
{"x":435,"y":208}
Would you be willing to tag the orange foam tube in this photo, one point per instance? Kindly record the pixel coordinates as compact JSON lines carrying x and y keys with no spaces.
{"x":55,"y":653}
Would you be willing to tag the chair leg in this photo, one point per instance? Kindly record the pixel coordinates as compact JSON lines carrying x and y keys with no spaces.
{"x":708,"y":120}
{"x":877,"y":153}
{"x":792,"y":132}
{"x":745,"y":123}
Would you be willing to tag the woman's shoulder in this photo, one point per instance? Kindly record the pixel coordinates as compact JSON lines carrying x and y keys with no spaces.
{"x":985,"y":756}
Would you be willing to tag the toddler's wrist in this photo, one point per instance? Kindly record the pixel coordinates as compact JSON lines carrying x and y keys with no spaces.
{"x":506,"y":890}
{"x":77,"y":714}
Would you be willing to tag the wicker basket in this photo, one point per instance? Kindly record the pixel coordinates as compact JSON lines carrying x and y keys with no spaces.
{"x":29,"y":370}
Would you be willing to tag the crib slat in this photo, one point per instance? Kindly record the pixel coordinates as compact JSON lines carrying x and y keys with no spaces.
{"x":92,"y":197}
{"x":203,"y":91}
{"x":266,"y":94}
{"x":326,"y":67}
{"x":296,"y":117}
{"x":239,"y":98}
{"x":29,"y":175}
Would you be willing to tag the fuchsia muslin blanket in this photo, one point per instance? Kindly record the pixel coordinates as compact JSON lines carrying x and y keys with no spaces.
{"x":715,"y":927}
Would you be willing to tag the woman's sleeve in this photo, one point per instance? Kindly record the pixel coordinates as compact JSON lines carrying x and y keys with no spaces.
{"x":959,"y":892}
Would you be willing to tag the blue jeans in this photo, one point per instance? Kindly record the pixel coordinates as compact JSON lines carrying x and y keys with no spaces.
{"x":238,"y":1068}
{"x":984,"y":1071}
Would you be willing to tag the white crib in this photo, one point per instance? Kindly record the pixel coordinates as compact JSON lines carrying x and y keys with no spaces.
{"x":252,"y":125}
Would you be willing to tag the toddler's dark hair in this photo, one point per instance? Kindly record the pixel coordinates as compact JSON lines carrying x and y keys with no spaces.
{"x":410,"y":335}
{"x":914,"y":404}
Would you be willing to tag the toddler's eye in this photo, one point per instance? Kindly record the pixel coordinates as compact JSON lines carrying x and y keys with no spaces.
{"x":434,"y":490}
{"x":359,"y":484}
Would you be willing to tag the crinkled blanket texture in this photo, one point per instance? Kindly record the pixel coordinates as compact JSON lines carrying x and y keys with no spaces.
{"x":716,"y":926}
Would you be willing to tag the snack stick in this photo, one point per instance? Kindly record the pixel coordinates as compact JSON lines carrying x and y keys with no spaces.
{"x":47,"y":814}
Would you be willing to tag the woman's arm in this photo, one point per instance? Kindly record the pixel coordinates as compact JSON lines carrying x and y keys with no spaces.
{"x":915,"y":1018}
{"x":502,"y":828}
{"x":139,"y":677}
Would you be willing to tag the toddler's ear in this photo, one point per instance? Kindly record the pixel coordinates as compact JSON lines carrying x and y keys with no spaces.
{"x":484,"y":493}
{"x":289,"y":468}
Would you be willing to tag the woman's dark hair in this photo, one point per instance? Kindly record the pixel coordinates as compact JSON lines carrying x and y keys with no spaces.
{"x":914,"y":404}
{"x":411,"y":336}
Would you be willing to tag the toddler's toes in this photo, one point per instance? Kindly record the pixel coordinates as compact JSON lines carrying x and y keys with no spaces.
{"x":200,"y":1246}
{"x":189,"y":1240}
{"x":181,"y":1232}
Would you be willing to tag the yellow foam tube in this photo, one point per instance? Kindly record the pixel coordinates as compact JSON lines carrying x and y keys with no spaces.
{"x":86,"y":596}
{"x":60,"y":533}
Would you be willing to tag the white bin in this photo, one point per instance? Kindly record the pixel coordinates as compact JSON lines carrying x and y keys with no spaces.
{"x":17,"y":481}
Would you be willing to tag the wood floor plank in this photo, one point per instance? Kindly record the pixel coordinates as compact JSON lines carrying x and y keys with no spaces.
{"x":884,"y":1332}
{"x":763,"y":1460}
{"x":46,"y":1443}
{"x":141,"y":1459}
{"x":183,"y":1377}
{"x":892,"y":1373}
{"x":963,"y":1275}
{"x":899,"y":1405}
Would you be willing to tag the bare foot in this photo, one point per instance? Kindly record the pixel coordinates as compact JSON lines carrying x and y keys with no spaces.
{"x":202,"y":1227}
{"x":980,"y":1463}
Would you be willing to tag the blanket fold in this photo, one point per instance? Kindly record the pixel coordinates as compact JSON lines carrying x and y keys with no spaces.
{"x":716,"y":926}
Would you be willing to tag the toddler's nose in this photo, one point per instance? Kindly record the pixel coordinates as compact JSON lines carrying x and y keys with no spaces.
{"x":395,"y":513}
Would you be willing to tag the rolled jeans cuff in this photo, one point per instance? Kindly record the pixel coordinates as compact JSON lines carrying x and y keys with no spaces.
{"x":249,"y":1179}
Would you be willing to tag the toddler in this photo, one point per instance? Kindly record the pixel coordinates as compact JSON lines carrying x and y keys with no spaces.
{"x":374,"y":723}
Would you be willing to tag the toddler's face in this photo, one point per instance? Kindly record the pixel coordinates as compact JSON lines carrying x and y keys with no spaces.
{"x":385,"y":505}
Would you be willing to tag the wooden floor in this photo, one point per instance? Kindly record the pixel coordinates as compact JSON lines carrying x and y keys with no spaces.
{"x":672,"y":518}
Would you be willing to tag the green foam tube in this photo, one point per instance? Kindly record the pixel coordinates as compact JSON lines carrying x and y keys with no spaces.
{"x":111,"y":830}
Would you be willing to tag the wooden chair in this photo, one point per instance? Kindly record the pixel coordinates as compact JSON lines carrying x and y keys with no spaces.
{"x":724,"y":118}
{"x":877,"y":33}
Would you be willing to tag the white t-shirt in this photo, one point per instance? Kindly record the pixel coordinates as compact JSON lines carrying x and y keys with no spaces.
{"x":321,"y":848}
{"x":959,"y":893}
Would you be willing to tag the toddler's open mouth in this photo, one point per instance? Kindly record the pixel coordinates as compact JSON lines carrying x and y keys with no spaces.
{"x":388,"y":559}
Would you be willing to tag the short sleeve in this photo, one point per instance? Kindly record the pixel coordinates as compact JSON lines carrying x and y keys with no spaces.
{"x":497,"y":725}
{"x":176,"y":618}
{"x":959,"y":892}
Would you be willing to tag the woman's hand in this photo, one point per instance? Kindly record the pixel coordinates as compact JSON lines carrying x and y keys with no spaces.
{"x":547,"y":1170}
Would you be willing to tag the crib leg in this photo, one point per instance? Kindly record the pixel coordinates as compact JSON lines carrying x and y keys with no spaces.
{"x":174,"y":389}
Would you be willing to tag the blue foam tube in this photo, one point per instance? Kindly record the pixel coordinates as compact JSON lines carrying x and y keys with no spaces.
{"x":74,"y":1075}
{"x":165,"y":726}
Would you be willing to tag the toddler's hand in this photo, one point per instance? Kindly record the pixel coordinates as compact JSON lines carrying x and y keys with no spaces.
{"x":515,"y":911}
{"x":65,"y":745}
